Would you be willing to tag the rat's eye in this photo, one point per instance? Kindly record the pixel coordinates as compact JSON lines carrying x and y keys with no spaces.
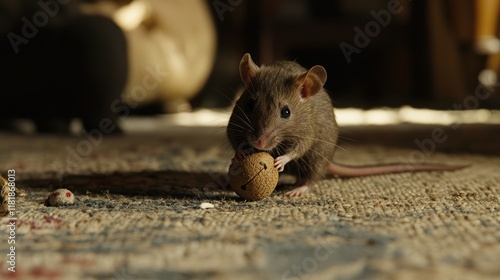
{"x":249,"y":106}
{"x":285,"y":112}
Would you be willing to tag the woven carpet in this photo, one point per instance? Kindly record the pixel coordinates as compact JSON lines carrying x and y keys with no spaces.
{"x":137,"y":214}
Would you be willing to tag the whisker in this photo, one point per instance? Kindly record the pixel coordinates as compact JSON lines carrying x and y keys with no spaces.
{"x":319,"y":154}
{"x":247,"y":121}
{"x":347,"y":138}
{"x":253,"y":88}
{"x":231,"y":127}
{"x":324,"y":141}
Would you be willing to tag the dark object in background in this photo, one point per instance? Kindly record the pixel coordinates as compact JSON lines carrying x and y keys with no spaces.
{"x":73,"y":67}
{"x":420,"y":56}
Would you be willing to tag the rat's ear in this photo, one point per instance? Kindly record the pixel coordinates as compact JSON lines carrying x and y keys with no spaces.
{"x":311,"y":81}
{"x":248,"y":69}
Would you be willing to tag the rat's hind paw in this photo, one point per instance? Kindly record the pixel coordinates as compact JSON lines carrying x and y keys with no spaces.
{"x":297,"y":191}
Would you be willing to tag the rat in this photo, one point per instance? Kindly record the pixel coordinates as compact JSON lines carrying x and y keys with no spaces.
{"x":285,"y":111}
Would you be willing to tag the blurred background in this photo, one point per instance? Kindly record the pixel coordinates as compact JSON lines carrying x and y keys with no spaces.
{"x":428,"y":54}
{"x":98,"y":60}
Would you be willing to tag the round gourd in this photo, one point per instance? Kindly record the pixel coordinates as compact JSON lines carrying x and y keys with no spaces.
{"x":254,"y":177}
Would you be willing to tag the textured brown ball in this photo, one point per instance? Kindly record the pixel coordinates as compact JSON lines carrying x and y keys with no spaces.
{"x":255,"y":177}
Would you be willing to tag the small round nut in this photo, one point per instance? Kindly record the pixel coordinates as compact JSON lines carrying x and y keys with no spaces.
{"x":60,"y":197}
{"x":255,"y":177}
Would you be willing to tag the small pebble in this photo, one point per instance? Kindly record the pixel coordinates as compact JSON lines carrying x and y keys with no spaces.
{"x":206,"y":205}
{"x":60,"y":197}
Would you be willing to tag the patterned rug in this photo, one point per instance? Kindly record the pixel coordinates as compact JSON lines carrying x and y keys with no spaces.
{"x":138,"y":214}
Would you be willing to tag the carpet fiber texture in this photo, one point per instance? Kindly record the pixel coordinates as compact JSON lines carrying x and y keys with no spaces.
{"x":137,"y":214}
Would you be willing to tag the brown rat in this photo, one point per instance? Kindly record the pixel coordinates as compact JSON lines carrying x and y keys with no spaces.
{"x":285,"y":111}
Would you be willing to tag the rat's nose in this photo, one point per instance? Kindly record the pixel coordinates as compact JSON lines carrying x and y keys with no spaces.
{"x":260,"y":143}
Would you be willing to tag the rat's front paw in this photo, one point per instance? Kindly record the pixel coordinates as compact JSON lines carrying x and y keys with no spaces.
{"x":281,"y":161}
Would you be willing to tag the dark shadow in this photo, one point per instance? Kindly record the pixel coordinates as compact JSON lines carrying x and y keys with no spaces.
{"x":176,"y":184}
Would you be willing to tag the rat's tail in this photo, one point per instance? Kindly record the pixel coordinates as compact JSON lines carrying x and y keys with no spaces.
{"x":368,"y":170}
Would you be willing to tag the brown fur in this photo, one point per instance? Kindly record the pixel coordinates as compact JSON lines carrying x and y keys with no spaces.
{"x":309,"y":135}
